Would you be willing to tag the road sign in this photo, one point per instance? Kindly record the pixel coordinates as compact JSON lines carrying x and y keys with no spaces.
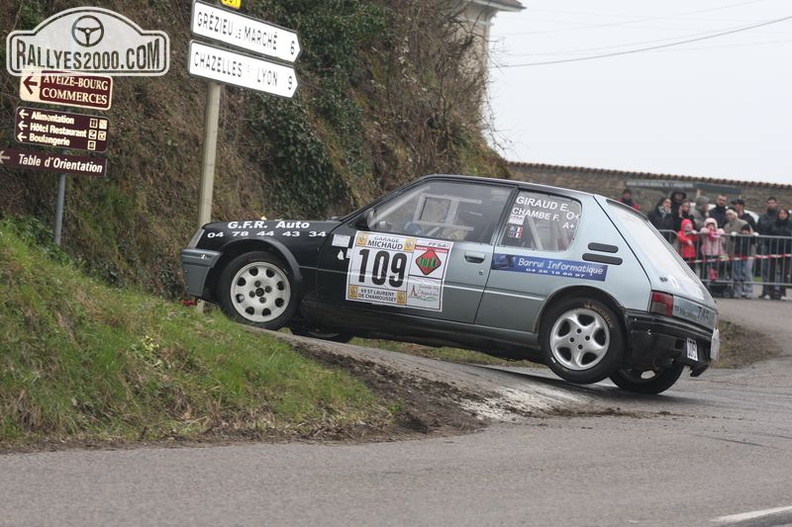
{"x":230,"y":67}
{"x":62,"y":129}
{"x":236,"y":4}
{"x":67,"y":89}
{"x":44,"y":161}
{"x":244,"y":32}
{"x":89,"y":39}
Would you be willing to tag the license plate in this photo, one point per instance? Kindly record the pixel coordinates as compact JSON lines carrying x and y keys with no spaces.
{"x":692,"y":349}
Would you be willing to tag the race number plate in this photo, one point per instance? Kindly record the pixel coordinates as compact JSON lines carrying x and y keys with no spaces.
{"x":400,"y":271}
{"x":692,"y":349}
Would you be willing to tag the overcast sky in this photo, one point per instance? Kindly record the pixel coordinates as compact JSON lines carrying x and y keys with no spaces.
{"x":718,"y":106}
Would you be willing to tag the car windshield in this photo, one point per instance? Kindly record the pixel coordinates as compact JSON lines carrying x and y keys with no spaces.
{"x":645,"y":239}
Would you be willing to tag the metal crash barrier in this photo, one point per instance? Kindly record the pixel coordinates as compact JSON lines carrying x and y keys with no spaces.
{"x":739,"y":265}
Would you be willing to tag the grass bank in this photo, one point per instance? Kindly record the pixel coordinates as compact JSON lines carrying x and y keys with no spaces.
{"x":83,"y":361}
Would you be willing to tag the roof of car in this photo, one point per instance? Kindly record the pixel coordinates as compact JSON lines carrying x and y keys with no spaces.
{"x":512,"y":182}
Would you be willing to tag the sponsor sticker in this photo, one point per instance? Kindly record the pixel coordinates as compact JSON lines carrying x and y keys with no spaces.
{"x":550,"y":267}
{"x":400,"y":271}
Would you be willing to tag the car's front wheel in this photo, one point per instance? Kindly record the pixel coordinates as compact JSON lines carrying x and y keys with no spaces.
{"x":582,"y":341}
{"x":649,"y":381}
{"x":257,"y":288}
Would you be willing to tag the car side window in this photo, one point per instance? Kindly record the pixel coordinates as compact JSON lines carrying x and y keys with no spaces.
{"x":445,"y":210}
{"x":541,"y":221}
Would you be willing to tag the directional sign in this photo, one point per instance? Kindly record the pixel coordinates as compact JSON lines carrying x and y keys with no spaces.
{"x":44,"y":161}
{"x":244,"y":32}
{"x":67,"y":89}
{"x":230,"y":67}
{"x":91,"y":40}
{"x":62,"y":129}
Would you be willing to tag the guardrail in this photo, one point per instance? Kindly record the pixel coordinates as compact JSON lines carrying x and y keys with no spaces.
{"x":739,"y":265}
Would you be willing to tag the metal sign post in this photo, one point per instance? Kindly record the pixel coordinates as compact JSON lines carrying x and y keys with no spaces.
{"x":211,"y":120}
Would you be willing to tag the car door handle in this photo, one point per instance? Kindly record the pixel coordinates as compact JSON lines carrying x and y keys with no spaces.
{"x":475,"y":257}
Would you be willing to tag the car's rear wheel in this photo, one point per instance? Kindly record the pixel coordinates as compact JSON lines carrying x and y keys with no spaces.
{"x":323,"y":335}
{"x":257,"y":288}
{"x":647,"y":381}
{"x":582,"y":341}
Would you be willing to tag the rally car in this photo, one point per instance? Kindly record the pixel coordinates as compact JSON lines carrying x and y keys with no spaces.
{"x":573,"y":280}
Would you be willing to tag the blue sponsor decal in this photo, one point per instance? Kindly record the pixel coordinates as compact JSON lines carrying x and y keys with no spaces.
{"x":550,"y":267}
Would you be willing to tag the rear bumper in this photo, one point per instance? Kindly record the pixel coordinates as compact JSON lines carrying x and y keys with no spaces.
{"x":196,"y":264}
{"x":658,"y":341}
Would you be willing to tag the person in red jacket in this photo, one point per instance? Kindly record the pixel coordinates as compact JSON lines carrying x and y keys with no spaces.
{"x":687,"y":238}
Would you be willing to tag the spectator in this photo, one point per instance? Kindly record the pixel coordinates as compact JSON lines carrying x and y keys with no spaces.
{"x":733,"y":223}
{"x":739,"y":206}
{"x":682,"y":214}
{"x":662,"y":219}
{"x":733,"y":227}
{"x":744,"y":251}
{"x":687,"y":238}
{"x":700,"y":212}
{"x":719,"y":210}
{"x":766,"y":244}
{"x":769,"y":216}
{"x":712,"y":249}
{"x":628,"y":200}
{"x":780,"y":267}
{"x":677,"y":197}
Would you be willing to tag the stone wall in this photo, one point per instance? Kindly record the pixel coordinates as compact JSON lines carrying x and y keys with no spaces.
{"x":649,"y":188}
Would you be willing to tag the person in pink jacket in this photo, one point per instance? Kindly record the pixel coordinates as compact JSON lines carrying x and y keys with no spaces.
{"x":712,"y":249}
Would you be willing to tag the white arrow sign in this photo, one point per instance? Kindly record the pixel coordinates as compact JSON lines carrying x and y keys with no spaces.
{"x":230,"y":67}
{"x":244,"y":32}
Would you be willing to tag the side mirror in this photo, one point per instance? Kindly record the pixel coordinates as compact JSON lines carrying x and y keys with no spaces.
{"x":363,"y":222}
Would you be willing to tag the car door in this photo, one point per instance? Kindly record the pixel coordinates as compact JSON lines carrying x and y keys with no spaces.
{"x":426,"y":251}
{"x":534,"y":257}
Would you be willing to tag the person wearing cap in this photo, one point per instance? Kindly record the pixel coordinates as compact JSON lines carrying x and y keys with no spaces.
{"x":739,"y":206}
{"x":744,"y":251}
{"x":733,"y":223}
{"x":700,"y":212}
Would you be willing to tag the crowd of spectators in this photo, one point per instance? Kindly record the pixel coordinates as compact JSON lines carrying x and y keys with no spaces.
{"x":723,"y":243}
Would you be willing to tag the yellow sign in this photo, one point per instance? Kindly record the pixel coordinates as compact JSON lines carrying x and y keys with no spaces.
{"x":236,"y":4}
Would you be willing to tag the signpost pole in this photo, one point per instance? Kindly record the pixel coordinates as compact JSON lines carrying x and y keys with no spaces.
{"x":59,"y":209}
{"x":206,"y":187}
{"x":211,"y":117}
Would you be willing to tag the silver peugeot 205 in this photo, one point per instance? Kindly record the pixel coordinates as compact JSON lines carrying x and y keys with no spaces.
{"x":573,"y":280}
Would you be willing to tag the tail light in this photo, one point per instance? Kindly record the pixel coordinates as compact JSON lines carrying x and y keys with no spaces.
{"x":661,"y":303}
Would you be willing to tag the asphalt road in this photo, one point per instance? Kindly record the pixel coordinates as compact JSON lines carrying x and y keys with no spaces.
{"x":711,"y":451}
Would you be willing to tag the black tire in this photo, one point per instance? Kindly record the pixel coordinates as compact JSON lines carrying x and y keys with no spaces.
{"x":257,"y":288}
{"x":582,"y":341}
{"x":323,"y":335}
{"x":648,"y":382}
